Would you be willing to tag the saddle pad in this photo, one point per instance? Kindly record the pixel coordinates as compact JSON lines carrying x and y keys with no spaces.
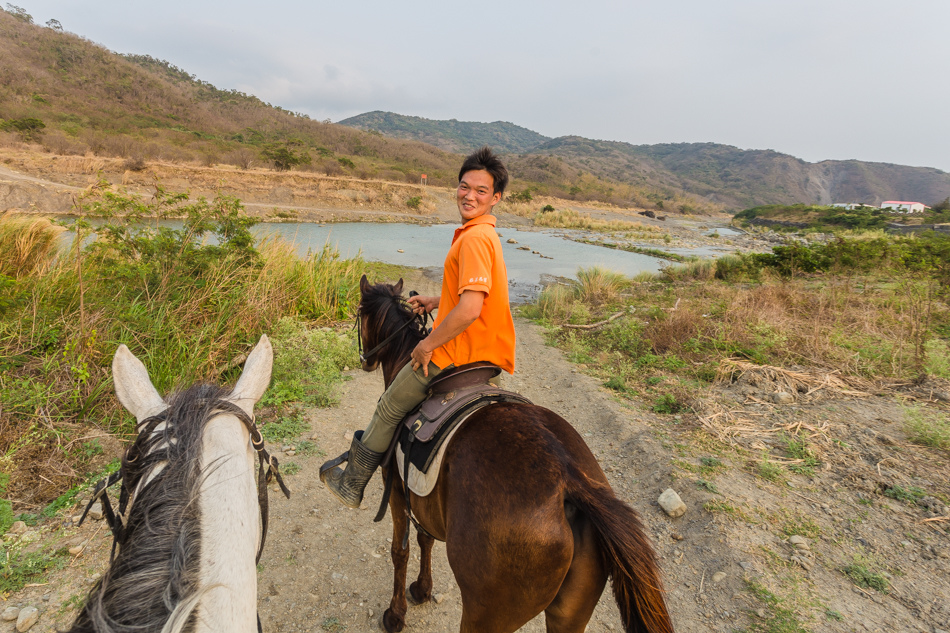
{"x":423,"y":483}
{"x":431,"y":427}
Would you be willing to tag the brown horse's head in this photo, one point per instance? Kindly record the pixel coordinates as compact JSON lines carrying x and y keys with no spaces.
{"x":383,"y":313}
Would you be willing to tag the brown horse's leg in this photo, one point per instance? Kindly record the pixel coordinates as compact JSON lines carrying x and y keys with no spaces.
{"x":421,"y":590}
{"x":571,"y":609}
{"x":395,"y":616}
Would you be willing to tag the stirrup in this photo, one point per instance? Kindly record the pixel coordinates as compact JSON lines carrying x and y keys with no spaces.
{"x":348,"y":484}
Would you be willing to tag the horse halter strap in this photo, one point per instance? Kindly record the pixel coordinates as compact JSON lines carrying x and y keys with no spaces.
{"x":421,"y":319}
{"x":117,"y":521}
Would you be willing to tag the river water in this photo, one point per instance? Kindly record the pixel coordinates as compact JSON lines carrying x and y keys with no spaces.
{"x":425,"y":246}
{"x":550,"y":254}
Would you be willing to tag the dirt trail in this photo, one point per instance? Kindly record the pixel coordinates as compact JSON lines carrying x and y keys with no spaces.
{"x":324,"y":561}
{"x":326,"y":567}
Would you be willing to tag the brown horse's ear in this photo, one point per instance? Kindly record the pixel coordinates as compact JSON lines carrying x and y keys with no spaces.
{"x":364,"y":284}
{"x":397,"y":288}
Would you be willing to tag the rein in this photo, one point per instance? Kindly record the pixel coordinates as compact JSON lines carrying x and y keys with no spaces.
{"x":421,"y":319}
{"x":142,"y":448}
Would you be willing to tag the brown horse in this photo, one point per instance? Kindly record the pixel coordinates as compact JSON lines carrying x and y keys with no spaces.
{"x":529,"y":521}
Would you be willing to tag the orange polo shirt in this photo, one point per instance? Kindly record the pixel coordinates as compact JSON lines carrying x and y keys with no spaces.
{"x":475,"y":262}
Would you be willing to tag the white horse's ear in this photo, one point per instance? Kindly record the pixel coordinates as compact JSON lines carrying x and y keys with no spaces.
{"x":134,"y":387}
{"x":255,"y":378}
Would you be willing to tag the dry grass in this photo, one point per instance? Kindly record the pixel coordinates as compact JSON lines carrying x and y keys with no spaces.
{"x":740,"y":426}
{"x":598,"y":285}
{"x":28,"y":244}
{"x":570,"y":219}
{"x":792,"y":382}
{"x":860,"y":331}
{"x":700,"y":270}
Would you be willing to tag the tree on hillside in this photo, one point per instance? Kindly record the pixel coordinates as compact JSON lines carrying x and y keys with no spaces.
{"x":28,"y":128}
{"x":19,"y":13}
{"x":284,"y":156}
{"x":54,"y":24}
{"x":943,"y":205}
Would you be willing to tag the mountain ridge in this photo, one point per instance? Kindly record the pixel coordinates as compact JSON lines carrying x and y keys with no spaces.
{"x":719,"y":173}
{"x":65,"y":95}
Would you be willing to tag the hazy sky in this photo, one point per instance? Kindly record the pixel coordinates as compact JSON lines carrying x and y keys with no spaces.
{"x":818,"y":79}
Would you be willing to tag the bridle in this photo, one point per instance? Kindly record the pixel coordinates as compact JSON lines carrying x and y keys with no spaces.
{"x":421,"y":319}
{"x":268,"y":469}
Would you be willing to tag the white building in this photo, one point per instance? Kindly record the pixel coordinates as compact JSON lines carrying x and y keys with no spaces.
{"x":904,"y":207}
{"x":850,"y":206}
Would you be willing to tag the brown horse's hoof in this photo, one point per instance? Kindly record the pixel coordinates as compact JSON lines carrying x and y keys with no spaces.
{"x":392,"y":623}
{"x":420,"y":595}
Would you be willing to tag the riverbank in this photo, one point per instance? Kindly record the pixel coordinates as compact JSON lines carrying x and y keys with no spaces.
{"x":45,"y":183}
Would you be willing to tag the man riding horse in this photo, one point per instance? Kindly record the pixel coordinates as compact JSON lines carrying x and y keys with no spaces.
{"x":474,"y":323}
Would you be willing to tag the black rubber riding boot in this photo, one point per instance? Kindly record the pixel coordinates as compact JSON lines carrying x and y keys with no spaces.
{"x":348,"y":484}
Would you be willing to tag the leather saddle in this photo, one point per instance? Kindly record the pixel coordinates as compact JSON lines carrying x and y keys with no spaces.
{"x":453,"y":396}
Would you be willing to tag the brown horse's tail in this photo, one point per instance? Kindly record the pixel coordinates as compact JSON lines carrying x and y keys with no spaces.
{"x":628,"y":557}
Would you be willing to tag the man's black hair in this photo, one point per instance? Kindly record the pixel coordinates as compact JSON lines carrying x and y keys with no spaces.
{"x":485,"y":159}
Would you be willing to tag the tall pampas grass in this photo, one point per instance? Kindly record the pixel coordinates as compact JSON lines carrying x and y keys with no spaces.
{"x":28,"y":244}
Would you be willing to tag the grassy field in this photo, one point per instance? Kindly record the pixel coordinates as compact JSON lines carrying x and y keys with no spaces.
{"x":188,"y":306}
{"x":795,"y":394}
{"x":872,"y":309}
{"x":833,"y":219}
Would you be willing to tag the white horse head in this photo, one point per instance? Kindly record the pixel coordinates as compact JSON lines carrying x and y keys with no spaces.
{"x":213,"y":518}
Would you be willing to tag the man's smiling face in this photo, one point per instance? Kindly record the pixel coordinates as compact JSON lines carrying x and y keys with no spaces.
{"x":476,"y":194}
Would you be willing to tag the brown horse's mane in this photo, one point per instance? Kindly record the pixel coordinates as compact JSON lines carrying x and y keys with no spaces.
{"x":386,"y":311}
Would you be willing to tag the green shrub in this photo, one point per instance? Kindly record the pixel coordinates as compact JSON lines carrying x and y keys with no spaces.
{"x":414,"y":202}
{"x":286,"y":156}
{"x":667,"y":403}
{"x":29,"y":128}
{"x":861,"y":573}
{"x":308,"y":363}
{"x":911,"y":494}
{"x":927,"y":429}
{"x":522,"y":196}
{"x":617,"y":384}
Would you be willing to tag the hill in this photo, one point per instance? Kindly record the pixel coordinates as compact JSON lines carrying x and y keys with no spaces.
{"x":720,"y":174}
{"x":753,"y":177}
{"x":451,"y":135}
{"x":65,"y":95}
{"x":68,"y":96}
{"x":72,"y":96}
